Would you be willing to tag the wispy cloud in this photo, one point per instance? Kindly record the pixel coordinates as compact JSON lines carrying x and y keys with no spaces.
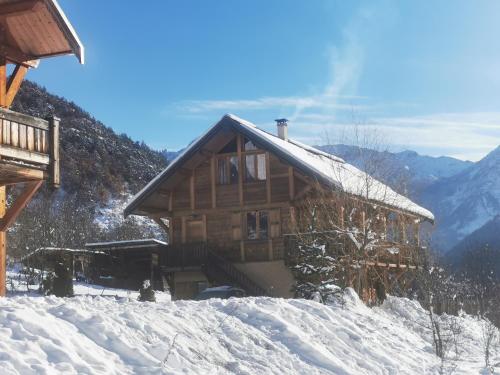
{"x":467,"y":136}
{"x":265,"y":103}
{"x":331,"y":109}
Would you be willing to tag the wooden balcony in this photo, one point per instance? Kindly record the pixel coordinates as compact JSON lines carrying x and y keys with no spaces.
{"x":29,"y":148}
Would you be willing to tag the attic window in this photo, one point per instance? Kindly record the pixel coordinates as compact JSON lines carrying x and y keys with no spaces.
{"x":248,"y":145}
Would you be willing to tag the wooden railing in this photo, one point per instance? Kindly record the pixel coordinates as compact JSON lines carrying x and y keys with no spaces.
{"x":184,"y":256}
{"x":30,"y":140}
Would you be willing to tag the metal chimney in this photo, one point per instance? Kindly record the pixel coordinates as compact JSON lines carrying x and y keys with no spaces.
{"x":282,"y":124}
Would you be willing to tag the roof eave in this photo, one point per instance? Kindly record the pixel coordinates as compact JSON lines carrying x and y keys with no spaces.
{"x":77,"y":47}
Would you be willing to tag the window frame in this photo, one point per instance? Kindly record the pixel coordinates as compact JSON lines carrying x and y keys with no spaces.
{"x":226,"y":159}
{"x":255,"y":166}
{"x":258,"y":230}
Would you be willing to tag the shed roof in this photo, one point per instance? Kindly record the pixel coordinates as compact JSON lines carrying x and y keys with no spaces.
{"x":128,"y":244}
{"x":326,"y":168}
{"x":35,"y":29}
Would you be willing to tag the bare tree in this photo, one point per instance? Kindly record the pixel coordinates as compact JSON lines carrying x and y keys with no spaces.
{"x":345,"y":236}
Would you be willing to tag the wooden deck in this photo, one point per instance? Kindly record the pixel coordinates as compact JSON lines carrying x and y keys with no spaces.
{"x":29,"y":148}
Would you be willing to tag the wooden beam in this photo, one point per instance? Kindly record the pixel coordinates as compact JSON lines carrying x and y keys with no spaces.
{"x":192,"y":190}
{"x":240,"y":167}
{"x":16,"y":56}
{"x":3,"y":82}
{"x":155,"y":211}
{"x":18,"y":8}
{"x":268,"y":178}
{"x":14,"y":83}
{"x":3,"y":244}
{"x":54,"y":151}
{"x":13,"y":212}
{"x":213,"y":185}
{"x":15,"y":174}
{"x":242,"y":250}
{"x":204,"y":224}
{"x":291,"y":183}
{"x":162,"y":225}
{"x":183,"y":229}
{"x":171,"y":200}
{"x":24,"y":155}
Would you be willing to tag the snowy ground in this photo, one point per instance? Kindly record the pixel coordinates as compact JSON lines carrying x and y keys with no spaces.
{"x":94,"y":334}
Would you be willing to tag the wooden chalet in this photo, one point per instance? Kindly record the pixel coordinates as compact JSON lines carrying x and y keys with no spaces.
{"x":30,"y":30}
{"x":232,"y":199}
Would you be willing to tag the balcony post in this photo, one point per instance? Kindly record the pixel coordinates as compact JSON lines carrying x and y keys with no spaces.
{"x":3,"y":245}
{"x":54,"y":169}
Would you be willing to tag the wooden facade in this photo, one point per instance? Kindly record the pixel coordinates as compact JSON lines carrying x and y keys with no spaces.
{"x":235,"y":193}
{"x":30,"y":30}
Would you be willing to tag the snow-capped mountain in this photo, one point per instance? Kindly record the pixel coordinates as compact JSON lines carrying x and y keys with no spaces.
{"x":487,"y":235}
{"x":466,"y":201}
{"x":418,"y":170}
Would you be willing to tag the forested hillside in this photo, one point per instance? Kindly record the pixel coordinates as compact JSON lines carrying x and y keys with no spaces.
{"x":100,"y":170}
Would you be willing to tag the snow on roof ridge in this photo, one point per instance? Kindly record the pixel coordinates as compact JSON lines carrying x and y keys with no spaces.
{"x":138,"y":241}
{"x":293,"y":141}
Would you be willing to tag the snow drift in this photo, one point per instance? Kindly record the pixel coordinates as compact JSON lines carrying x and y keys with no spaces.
{"x":118,"y":335}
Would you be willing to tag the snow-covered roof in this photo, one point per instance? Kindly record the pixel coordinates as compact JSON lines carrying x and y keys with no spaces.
{"x":325,"y":167}
{"x":46,"y":250}
{"x":127,"y":244}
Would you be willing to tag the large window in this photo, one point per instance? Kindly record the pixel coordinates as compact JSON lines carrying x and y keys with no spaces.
{"x":255,"y":167}
{"x":257,"y":225}
{"x":228,"y":170}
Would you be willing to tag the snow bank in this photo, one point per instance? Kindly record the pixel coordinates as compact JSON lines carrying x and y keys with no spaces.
{"x":105,"y":335}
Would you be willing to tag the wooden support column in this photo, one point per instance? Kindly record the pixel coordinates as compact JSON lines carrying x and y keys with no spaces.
{"x":191,"y":191}
{"x":55,"y":175}
{"x":268,"y":178}
{"x":212,"y":182}
{"x":204,"y":224}
{"x":9,"y":216}
{"x":242,"y":251}
{"x":170,"y":200}
{"x":183,"y":229}
{"x":3,"y":82}
{"x":3,"y":245}
{"x":14,"y":83}
{"x":291,"y":183}
{"x":240,"y":164}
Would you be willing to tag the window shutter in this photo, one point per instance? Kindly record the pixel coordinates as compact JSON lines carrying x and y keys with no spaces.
{"x":236,"y":225}
{"x":275,"y":223}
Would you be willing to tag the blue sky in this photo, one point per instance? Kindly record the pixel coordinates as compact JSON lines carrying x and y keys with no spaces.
{"x":422,"y":75}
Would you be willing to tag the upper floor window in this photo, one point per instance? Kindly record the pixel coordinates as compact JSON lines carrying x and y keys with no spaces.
{"x":255,"y":167}
{"x":227,"y":170}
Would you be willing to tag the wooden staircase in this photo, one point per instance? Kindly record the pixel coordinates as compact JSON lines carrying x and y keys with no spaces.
{"x":221,"y":270}
{"x":217,"y":269}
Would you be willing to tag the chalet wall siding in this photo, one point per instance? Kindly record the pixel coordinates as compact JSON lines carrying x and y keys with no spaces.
{"x":203,"y":190}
